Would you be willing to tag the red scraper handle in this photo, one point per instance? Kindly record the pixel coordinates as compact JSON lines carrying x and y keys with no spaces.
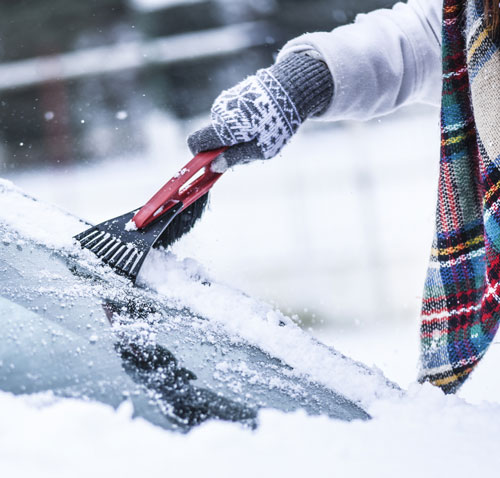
{"x":189,"y":184}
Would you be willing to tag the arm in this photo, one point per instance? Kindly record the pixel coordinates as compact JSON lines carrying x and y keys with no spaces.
{"x":386,"y":59}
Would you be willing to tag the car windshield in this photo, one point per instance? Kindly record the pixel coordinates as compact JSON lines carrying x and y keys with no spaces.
{"x":74,"y":328}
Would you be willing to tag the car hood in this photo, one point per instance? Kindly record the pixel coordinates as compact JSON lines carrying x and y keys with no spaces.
{"x":181,"y":347}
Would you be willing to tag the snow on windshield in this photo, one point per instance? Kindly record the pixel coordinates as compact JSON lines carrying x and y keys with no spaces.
{"x":42,"y":223}
{"x":259,"y":324}
{"x":241,"y":316}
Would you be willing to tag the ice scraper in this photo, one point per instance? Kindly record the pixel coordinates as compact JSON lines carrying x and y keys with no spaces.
{"x":124,"y":241}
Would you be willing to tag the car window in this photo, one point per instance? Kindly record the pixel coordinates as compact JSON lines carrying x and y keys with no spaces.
{"x":65,"y":329}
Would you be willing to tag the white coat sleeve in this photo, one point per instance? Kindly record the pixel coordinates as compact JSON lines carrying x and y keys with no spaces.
{"x":384,"y":60}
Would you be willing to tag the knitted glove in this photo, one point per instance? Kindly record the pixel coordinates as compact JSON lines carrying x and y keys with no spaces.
{"x":257,"y":117}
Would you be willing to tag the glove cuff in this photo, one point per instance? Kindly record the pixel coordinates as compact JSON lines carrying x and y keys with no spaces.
{"x":307,"y":81}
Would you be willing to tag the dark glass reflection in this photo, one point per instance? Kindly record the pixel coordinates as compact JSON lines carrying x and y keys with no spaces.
{"x":157,"y":369}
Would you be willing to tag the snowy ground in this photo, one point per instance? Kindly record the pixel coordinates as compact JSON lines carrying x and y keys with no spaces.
{"x":425,"y":434}
{"x":337,"y":231}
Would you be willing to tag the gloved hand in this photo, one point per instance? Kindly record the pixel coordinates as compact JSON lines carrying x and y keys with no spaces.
{"x":258,"y":116}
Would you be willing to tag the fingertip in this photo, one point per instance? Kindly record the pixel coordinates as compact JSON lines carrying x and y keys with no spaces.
{"x":193,"y":142}
{"x":204,"y":139}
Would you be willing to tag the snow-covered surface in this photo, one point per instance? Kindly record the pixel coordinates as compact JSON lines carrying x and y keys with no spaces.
{"x":241,"y":316}
{"x":46,"y":224}
{"x":420,"y":433}
{"x":259,"y":324}
{"x":424,"y":434}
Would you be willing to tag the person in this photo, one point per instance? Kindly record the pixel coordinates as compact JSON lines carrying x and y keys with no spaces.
{"x":421,"y":51}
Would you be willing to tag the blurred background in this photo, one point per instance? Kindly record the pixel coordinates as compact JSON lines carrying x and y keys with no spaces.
{"x":97,"y":98}
{"x":69,"y":66}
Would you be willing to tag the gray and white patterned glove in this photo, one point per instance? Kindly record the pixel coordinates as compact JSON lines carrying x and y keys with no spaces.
{"x":258,"y":116}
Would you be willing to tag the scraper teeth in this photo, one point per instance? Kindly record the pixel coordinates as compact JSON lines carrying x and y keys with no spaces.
{"x":112,"y":251}
{"x":103,"y":241}
{"x":87,"y":236}
{"x":124,"y":258}
{"x":115,"y":258}
{"x":135,"y":267}
{"x":94,"y":240}
{"x":108,"y":247}
{"x":105,"y":247}
{"x":87,"y":233}
{"x":130,"y":262}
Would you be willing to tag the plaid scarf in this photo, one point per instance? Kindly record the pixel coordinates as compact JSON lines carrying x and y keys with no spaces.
{"x":461,"y":304}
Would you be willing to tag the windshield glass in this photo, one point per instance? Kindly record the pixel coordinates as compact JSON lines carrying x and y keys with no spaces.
{"x":65,"y":330}
{"x":97,"y":100}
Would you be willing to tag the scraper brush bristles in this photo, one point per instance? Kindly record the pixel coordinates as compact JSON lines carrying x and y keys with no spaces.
{"x":182,"y":222}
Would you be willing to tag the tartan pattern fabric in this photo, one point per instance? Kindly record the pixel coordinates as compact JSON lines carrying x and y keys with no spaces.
{"x":461,"y":303}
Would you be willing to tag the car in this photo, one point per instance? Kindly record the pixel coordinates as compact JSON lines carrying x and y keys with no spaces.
{"x":71,"y":326}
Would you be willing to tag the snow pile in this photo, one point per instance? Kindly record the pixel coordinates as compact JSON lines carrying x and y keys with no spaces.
{"x":424,"y":434}
{"x":186,"y":283}
{"x":44,"y":224}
